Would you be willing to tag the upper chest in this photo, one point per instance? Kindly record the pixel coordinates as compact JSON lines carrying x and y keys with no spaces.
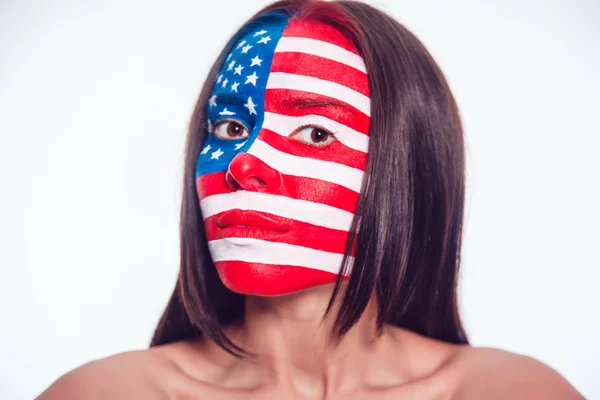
{"x":435,"y":387}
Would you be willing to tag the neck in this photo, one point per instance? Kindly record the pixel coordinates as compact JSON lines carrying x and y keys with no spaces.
{"x":289,"y":336}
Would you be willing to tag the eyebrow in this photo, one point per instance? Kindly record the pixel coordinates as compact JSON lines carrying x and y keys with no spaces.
{"x":316,"y":103}
{"x":230,"y":99}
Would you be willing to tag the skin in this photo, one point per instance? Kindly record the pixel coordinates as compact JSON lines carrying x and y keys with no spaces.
{"x":298,"y":359}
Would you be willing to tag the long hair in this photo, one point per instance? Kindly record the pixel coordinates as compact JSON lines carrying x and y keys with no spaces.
{"x":408,"y":220}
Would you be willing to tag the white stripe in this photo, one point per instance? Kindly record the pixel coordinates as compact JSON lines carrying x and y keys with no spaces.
{"x":284,"y":125}
{"x":262,"y":251}
{"x":283,"y":80}
{"x":286,"y":207}
{"x":289,"y":164}
{"x":321,"y":49}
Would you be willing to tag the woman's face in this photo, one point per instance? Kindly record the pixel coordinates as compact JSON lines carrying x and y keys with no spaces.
{"x":279,"y":174}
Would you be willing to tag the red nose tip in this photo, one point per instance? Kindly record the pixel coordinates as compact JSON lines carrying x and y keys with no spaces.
{"x":247,"y":172}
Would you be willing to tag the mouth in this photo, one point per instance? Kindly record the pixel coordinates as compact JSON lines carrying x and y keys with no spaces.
{"x":251,"y":220}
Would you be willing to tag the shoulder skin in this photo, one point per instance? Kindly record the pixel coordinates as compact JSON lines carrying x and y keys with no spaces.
{"x":496,"y":374}
{"x":130,"y":375}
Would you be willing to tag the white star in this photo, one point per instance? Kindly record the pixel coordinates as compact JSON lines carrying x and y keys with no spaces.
{"x":255,"y":61}
{"x":216,"y":154}
{"x":230,"y":67}
{"x":264,"y":39}
{"x":229,"y":56}
{"x":226,"y":112}
{"x":250,"y":106}
{"x":206,"y":149}
{"x":238,"y":69}
{"x":213,"y":100}
{"x":246,"y":48}
{"x":234,"y":86}
{"x":260,"y":33}
{"x":219,"y":78}
{"x":209,"y":125}
{"x":240,"y":44}
{"x":251,"y":79}
{"x":224,"y":83}
{"x":240,"y":145}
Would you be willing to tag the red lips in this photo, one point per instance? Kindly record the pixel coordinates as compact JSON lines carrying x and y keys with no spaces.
{"x":252,"y":219}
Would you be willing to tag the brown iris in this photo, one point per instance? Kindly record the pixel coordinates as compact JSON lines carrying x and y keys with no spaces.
{"x":319,"y":135}
{"x":230,"y":130}
{"x":235,"y":130}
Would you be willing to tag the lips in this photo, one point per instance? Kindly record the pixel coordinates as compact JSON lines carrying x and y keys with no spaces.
{"x":246,"y":219}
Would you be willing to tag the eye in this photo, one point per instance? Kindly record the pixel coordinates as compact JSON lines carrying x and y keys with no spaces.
{"x":314,"y":136}
{"x":230,"y":130}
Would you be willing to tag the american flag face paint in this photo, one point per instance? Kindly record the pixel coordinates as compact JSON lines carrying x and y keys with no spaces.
{"x":279,"y":175}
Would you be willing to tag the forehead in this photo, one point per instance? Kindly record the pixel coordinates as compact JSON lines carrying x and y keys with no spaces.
{"x":294,"y":54}
{"x":318,"y":62}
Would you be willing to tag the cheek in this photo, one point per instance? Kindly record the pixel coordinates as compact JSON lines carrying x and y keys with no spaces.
{"x":329,"y":175}
{"x":326,"y":193}
{"x":211,"y":184}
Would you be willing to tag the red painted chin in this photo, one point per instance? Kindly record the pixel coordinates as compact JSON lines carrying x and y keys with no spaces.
{"x":268,"y":279}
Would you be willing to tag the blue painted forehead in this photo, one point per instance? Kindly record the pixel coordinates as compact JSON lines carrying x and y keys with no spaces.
{"x":239,"y":91}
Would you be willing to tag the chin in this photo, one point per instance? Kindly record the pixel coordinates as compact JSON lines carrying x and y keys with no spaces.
{"x":268,"y":279}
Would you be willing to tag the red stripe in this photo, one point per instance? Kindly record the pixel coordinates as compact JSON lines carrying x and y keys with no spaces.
{"x":297,"y":27}
{"x":322,"y":68}
{"x":269,"y":279}
{"x":283,"y":101}
{"x":300,"y":234}
{"x":335,"y":152}
{"x":296,"y":187}
{"x":211,"y":184}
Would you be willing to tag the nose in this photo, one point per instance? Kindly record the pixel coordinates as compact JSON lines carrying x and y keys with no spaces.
{"x":247,"y":172}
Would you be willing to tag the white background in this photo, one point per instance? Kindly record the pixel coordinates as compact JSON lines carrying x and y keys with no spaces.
{"x":95,"y":98}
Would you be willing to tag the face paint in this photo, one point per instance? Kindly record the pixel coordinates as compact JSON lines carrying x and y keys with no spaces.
{"x":279,"y":174}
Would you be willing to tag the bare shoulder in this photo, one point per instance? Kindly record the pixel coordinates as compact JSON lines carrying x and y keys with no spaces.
{"x":139,"y":374}
{"x":497,"y":374}
{"x":464,"y":372}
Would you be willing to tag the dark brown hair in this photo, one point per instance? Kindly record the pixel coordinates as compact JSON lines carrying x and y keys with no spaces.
{"x":409,"y":214}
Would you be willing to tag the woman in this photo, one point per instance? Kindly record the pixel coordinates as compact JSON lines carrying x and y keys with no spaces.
{"x":320,"y":229}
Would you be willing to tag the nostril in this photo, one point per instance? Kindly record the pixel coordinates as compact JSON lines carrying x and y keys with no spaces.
{"x":246,"y":182}
{"x":231,"y":182}
{"x":256,"y":181}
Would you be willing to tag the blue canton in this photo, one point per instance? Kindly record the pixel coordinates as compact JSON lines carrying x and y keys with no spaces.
{"x":239,"y":94}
